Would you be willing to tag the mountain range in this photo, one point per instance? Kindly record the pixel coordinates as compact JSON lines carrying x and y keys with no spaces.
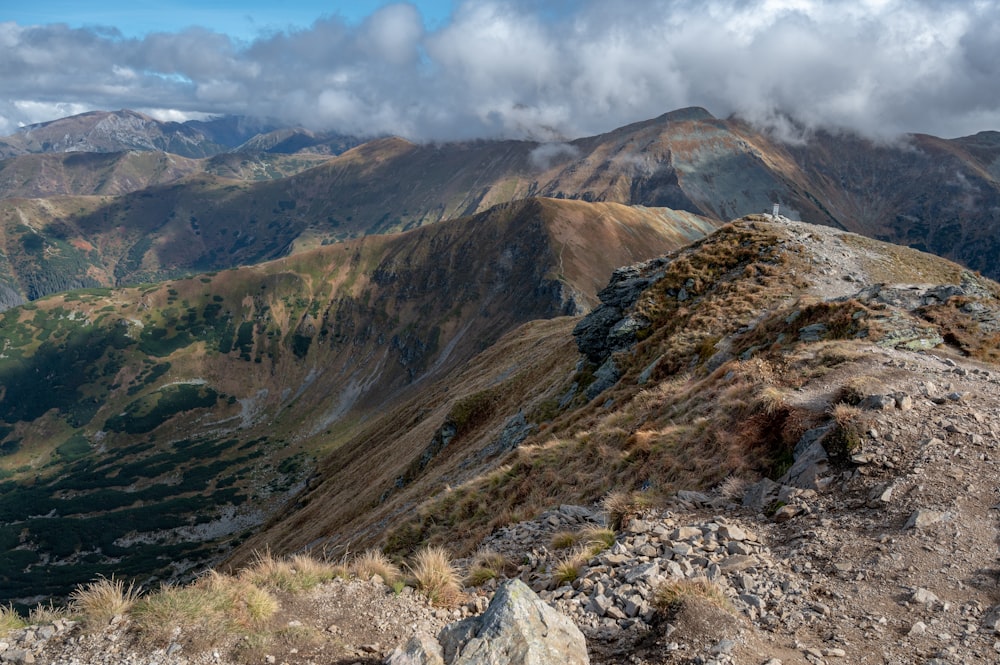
{"x":223,"y":337}
{"x":72,"y":220}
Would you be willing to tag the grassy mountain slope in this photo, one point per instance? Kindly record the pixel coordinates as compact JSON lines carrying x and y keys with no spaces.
{"x":89,"y":173}
{"x":118,"y":173}
{"x":714,"y":363}
{"x":299,"y":141}
{"x":143,"y":429}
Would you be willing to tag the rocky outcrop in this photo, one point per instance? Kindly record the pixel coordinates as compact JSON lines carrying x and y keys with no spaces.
{"x":517,"y":628}
{"x":609,"y":328}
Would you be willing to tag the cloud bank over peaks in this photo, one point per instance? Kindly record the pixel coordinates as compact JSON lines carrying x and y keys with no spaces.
{"x":545,"y":70}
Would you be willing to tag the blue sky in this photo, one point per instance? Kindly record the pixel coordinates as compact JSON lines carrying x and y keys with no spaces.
{"x":245,"y":19}
{"x":539,"y":69}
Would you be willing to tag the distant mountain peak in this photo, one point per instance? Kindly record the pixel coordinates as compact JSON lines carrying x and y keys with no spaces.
{"x":688,"y":114}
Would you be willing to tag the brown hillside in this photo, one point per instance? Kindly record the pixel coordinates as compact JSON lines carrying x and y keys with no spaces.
{"x":134,"y":413}
{"x":704,"y":369}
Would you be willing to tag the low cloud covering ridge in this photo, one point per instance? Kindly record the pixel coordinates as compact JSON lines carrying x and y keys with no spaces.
{"x":544,"y":70}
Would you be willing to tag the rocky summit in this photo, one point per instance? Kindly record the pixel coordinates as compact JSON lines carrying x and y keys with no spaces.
{"x":776,"y":445}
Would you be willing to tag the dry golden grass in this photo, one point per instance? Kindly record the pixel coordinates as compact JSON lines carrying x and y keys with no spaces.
{"x":961,"y":330}
{"x":593,"y":538}
{"x":690,"y":426}
{"x":770,"y":400}
{"x":10,"y":620}
{"x":435,"y":576}
{"x":42,"y":614}
{"x":688,"y":432}
{"x":597,"y":538}
{"x":100,"y":601}
{"x":301,"y":572}
{"x":857,"y":388}
{"x":623,"y":506}
{"x":733,"y":487}
{"x":571,"y":567}
{"x":670,"y":596}
{"x":480,"y":576}
{"x":486,"y":565}
{"x":374,"y":562}
{"x":893,"y":264}
{"x":563,"y":540}
{"x":208,"y":610}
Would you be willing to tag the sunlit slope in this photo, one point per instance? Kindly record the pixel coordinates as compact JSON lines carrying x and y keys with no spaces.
{"x":145,"y":429}
{"x":708,"y":363}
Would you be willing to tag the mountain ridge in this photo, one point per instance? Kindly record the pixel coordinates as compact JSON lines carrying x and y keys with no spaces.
{"x":776,"y":420}
{"x":207,"y":401}
{"x":747,"y":290}
{"x":932,"y":194}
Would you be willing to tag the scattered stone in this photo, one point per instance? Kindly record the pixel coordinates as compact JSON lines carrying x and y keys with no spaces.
{"x":878,"y":403}
{"x":421,"y":649}
{"x":923,"y":518}
{"x":924,"y":597}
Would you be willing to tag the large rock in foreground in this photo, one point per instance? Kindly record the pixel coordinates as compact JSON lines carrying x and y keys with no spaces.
{"x":518,"y":628}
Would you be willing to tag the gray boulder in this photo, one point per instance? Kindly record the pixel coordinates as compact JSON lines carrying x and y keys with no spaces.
{"x":518,"y":628}
{"x":422,"y":649}
{"x":809,"y":470}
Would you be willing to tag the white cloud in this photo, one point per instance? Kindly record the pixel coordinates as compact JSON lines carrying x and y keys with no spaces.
{"x":545,"y":70}
{"x":548,"y":154}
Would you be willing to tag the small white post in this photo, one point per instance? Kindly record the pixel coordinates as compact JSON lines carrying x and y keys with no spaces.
{"x":774,"y":211}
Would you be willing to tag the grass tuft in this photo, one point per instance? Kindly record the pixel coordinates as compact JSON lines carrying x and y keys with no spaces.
{"x":299,"y":573}
{"x":435,"y":576}
{"x":43,"y":614}
{"x":372,"y":563}
{"x":733,"y":488}
{"x":563,"y":540}
{"x":213,"y":607}
{"x":101,"y":600}
{"x":486,"y":565}
{"x":672,"y":595}
{"x":10,"y":620}
{"x":569,"y":569}
{"x":597,"y":539}
{"x":622,"y":506}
